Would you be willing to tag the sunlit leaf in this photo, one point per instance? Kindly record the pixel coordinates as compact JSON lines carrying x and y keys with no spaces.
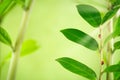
{"x":77,"y":68}
{"x":110,"y":14}
{"x":29,"y":47}
{"x":113,"y":68}
{"x":4,"y":37}
{"x":90,"y":14}
{"x":81,"y":38}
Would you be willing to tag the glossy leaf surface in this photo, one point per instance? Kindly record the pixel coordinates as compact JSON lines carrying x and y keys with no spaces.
{"x":81,"y":38}
{"x":90,"y":14}
{"x":77,"y":68}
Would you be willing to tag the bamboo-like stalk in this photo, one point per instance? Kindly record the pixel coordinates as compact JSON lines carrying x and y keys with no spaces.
{"x":109,"y":44}
{"x":16,"y":51}
{"x":109,"y":50}
{"x":100,"y":52}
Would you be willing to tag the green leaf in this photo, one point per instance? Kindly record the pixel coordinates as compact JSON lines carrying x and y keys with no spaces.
{"x":90,"y":14}
{"x":5,"y":6}
{"x":115,"y":3}
{"x":113,"y":68}
{"x":112,"y":1}
{"x":115,"y":33}
{"x":21,"y":2}
{"x":117,"y":45}
{"x":117,"y":28}
{"x":29,"y":47}
{"x":116,"y":75}
{"x":77,"y":68}
{"x":4,"y":37}
{"x":81,"y":38}
{"x":110,"y":14}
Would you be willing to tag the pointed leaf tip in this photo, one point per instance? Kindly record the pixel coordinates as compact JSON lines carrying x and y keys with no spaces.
{"x":81,"y":38}
{"x":4,"y":37}
{"x":77,"y":68}
{"x":90,"y":14}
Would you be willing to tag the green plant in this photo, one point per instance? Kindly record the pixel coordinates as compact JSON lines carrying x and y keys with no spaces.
{"x":106,"y":48}
{"x":20,"y":48}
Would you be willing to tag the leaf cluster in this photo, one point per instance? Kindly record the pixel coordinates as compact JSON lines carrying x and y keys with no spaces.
{"x":91,"y":15}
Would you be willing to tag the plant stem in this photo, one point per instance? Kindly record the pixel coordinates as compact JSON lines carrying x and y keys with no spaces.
{"x":109,"y":50}
{"x":109,"y":45}
{"x":18,"y":44}
{"x":101,"y":53}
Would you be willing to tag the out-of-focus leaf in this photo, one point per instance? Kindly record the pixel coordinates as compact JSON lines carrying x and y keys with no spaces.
{"x":116,"y":75}
{"x":90,"y":14}
{"x":113,"y":68}
{"x":115,"y":33}
{"x":112,"y":1}
{"x":4,"y":37}
{"x":115,"y":3}
{"x":110,"y":14}
{"x":117,"y":28}
{"x":6,"y":6}
{"x":117,"y":45}
{"x":22,"y":2}
{"x":27,"y":4}
{"x":29,"y":47}
{"x":81,"y":38}
{"x":77,"y":68}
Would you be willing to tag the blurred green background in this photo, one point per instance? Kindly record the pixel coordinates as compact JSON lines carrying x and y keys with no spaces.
{"x":48,"y":17}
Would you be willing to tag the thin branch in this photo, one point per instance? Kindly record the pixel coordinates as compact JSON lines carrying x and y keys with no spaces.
{"x":19,"y":41}
{"x":109,"y":50}
{"x":101,"y":53}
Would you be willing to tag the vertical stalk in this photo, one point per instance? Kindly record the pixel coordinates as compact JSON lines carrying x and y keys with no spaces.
{"x":16,"y":51}
{"x":109,"y":50}
{"x":109,"y":45}
{"x":101,"y":53}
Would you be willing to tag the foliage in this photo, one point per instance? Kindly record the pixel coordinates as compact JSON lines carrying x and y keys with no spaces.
{"x":77,"y":68}
{"x":26,"y":48}
{"x":91,"y":15}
